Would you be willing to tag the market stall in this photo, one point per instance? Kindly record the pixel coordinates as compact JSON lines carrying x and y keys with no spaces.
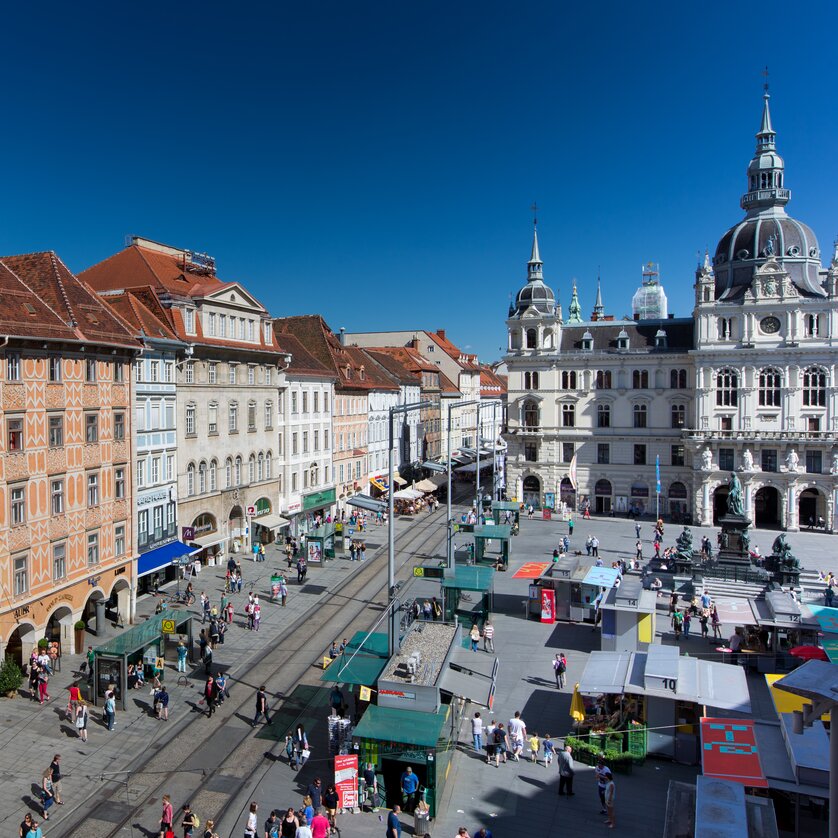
{"x":506,"y":512}
{"x":666,"y":692}
{"x":577,"y":582}
{"x":628,"y":617}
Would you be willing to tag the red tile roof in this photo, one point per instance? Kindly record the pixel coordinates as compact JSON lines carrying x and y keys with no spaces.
{"x":395,"y":367}
{"x":464,"y":359}
{"x":43,"y":299}
{"x":302,"y":361}
{"x":142,"y":309}
{"x":408,"y":357}
{"x":168,"y":276}
{"x":491,"y":384}
{"x":447,"y":385}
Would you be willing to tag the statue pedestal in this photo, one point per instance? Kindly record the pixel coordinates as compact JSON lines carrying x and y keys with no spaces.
{"x":783,"y":574}
{"x":733,"y":544}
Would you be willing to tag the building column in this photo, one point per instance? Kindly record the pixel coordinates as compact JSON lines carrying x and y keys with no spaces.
{"x":706,"y":511}
{"x":792,"y":524}
{"x":749,"y":500}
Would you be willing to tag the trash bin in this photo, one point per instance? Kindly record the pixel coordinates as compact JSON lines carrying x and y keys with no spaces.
{"x":100,"y":617}
{"x":421,"y":823}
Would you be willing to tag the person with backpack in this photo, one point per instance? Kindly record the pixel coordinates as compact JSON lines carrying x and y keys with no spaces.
{"x":501,"y":744}
{"x":190,"y":821}
{"x":559,"y":669}
{"x":161,"y":704}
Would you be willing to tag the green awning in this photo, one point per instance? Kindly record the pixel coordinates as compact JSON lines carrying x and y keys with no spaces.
{"x":144,"y":634}
{"x":408,"y":727}
{"x":471,"y":578}
{"x":505,"y":506}
{"x":376,"y":644}
{"x":502,"y":532}
{"x":362,"y":670}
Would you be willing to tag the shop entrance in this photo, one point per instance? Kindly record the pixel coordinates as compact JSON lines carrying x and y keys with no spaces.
{"x":811,"y":507}
{"x":767,"y":507}
{"x":392,"y":769}
{"x":602,"y":497}
{"x":60,"y":630}
{"x":532,"y":492}
{"x":20,"y":644}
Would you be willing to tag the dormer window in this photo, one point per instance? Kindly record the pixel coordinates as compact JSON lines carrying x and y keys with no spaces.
{"x":189,"y":321}
{"x":348,"y":372}
{"x":588,"y":342}
{"x":623,"y":340}
{"x":660,"y":339}
{"x":361,"y":373}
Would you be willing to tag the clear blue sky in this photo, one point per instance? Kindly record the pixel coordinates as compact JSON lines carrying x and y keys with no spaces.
{"x":376,"y":162}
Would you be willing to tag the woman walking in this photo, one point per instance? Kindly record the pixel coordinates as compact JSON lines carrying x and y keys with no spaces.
{"x":167,"y":816}
{"x":81,"y":720}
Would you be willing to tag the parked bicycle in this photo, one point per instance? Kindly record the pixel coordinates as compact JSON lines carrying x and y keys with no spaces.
{"x":182,"y":597}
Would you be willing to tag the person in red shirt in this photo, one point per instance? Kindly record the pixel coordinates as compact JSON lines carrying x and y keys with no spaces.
{"x":320,"y":825}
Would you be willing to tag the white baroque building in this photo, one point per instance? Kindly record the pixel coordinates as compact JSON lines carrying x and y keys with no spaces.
{"x":746,"y":384}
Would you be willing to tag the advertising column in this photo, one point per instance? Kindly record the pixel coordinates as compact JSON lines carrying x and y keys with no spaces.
{"x":346,"y":780}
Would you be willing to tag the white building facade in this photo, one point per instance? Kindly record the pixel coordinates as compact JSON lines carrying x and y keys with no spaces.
{"x":654,"y":414}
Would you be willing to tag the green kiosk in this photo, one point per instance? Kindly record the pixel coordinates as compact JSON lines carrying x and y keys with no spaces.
{"x":320,"y":544}
{"x":467,"y":595}
{"x":506,"y":512}
{"x":491,"y":545}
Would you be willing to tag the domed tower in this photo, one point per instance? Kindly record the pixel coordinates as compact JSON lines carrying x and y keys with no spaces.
{"x":766,"y":232}
{"x":534,"y":315}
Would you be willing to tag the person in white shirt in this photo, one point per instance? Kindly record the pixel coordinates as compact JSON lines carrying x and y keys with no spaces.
{"x":517,"y":733}
{"x":477,"y":732}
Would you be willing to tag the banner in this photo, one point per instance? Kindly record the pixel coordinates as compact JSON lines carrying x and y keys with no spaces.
{"x":658,"y":473}
{"x":346,"y":780}
{"x":729,"y":751}
{"x":548,"y":605}
{"x":571,"y":472}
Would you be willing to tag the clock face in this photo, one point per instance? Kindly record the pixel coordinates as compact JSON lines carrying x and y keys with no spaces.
{"x":770,"y":325}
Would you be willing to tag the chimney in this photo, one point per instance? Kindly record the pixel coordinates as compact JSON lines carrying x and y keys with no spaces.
{"x":441,"y":333}
{"x":342,"y":337}
{"x":414,"y":343}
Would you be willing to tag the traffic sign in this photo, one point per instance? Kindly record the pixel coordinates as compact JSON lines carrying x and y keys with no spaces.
{"x":429,"y":572}
{"x":167,"y":626}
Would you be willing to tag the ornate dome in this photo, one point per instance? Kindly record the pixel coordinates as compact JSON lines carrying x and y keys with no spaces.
{"x":535,"y":294}
{"x":766,"y":232}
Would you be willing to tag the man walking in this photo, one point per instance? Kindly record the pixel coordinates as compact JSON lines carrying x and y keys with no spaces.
{"x":566,"y":770}
{"x":410,"y":784}
{"x":517,"y":734}
{"x":559,"y":669}
{"x":594,"y":546}
{"x":261,"y":706}
{"x":55,"y":776}
{"x":603,"y":774}
{"x":477,"y":732}
{"x":488,"y":637}
{"x":394,"y":825}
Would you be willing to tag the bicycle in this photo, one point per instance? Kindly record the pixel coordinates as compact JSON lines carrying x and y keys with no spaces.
{"x":182,"y":598}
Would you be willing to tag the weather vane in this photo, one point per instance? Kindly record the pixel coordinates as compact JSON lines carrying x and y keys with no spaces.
{"x":534,"y":209}
{"x":765,"y":75}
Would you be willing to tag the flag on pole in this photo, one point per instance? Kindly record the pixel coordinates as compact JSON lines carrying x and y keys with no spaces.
{"x":571,"y":472}
{"x":658,"y":472}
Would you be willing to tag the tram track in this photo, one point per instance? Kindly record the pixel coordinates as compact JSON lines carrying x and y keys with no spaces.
{"x":186,"y":765}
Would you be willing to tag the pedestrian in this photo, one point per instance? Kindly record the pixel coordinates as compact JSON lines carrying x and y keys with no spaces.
{"x":55,"y":776}
{"x":673,"y":602}
{"x":72,"y":700}
{"x":638,"y":547}
{"x":208,"y":660}
{"x":517,"y":734}
{"x":351,"y":551}
{"x":601,"y":773}
{"x":110,"y":709}
{"x":394,"y":825}
{"x":283,"y":590}
{"x":209,"y":828}
{"x":488,"y":636}
{"x":716,"y":623}
{"x":81,"y":720}
{"x":534,"y":743}
{"x":181,"y":656}
{"x":637,"y":530}
{"x":239,"y":579}
{"x":25,"y":826}
{"x":301,"y":746}
{"x":559,"y":670}
{"x":530,"y":511}
{"x":687,"y":619}
{"x":301,"y":570}
{"x":290,"y":824}
{"x":610,"y":798}
{"x":43,"y":681}
{"x":595,"y":546}
{"x":271,"y":825}
{"x":427,"y":612}
{"x":315,"y":792}
{"x":703,"y":619}
{"x":564,"y":760}
{"x":474,"y":634}
{"x":409,"y":786}
{"x":214,"y":634}
{"x":189,"y":822}
{"x":252,"y":821}
{"x":167,"y":817}
{"x":331,"y":800}
{"x":205,"y":608}
{"x":477,"y":732}
{"x":161,"y":703}
{"x":304,"y":830}
{"x":210,"y":695}
{"x":501,"y":743}
{"x":261,"y":706}
{"x":257,"y":613}
{"x":47,"y":795}
{"x":549,"y":750}
{"x":436,"y":608}
{"x":677,"y":623}
{"x":570,"y":527}
{"x":483,"y":833}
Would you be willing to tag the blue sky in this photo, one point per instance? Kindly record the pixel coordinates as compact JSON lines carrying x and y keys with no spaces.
{"x":376,"y":162}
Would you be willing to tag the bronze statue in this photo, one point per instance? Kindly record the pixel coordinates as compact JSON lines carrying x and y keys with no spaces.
{"x":734,"y":496}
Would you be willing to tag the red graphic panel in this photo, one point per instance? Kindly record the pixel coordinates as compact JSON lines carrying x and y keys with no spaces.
{"x":729,"y":752}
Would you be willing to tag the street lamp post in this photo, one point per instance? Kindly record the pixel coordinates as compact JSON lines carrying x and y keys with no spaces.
{"x":391,"y":529}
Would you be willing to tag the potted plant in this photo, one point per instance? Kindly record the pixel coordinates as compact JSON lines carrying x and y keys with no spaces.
{"x":43,"y":643}
{"x":79,"y":629}
{"x":11,"y":677}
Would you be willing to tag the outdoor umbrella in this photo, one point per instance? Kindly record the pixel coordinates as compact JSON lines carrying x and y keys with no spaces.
{"x":809,"y":653}
{"x":577,"y":706}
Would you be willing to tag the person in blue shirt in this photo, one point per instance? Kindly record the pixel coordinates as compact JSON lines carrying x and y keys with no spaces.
{"x":410,"y":784}
{"x":394,"y":825}
{"x":483,"y":833}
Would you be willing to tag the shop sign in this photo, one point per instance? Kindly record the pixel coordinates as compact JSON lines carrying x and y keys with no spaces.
{"x":187,"y":533}
{"x":548,"y":605}
{"x":294,"y":507}
{"x":167,"y":626}
{"x":60,"y":598}
{"x":156,"y":497}
{"x":19,"y":612}
{"x":400,"y":694}
{"x":263,"y":507}
{"x":346,"y":780}
{"x":317,"y":499}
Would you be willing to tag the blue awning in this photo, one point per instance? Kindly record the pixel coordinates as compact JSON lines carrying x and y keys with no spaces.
{"x":162,"y":557}
{"x":603,"y":577}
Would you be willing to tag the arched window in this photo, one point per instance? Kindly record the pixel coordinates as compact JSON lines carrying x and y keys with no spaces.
{"x":190,"y":479}
{"x":531,"y":418}
{"x":813,"y":324}
{"x":569,"y":380}
{"x":603,"y":380}
{"x":530,"y":380}
{"x":202,"y":477}
{"x":640,"y":379}
{"x":814,"y":387}
{"x":707,"y":295}
{"x":532,"y":338}
{"x":268,"y":460}
{"x":213,"y":475}
{"x":229,"y":472}
{"x":770,"y":382}
{"x":251,"y":469}
{"x":727,"y":384}
{"x":238,"y":474}
{"x":679,"y":415}
{"x":260,"y":468}
{"x":678,"y":379}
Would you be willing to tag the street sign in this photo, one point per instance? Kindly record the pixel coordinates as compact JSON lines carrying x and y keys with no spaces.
{"x":429,"y":572}
{"x":167,"y":626}
{"x":251,"y":511}
{"x":188,"y":533}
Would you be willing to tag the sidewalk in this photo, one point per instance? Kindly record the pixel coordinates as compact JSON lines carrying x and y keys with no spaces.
{"x":32,"y":734}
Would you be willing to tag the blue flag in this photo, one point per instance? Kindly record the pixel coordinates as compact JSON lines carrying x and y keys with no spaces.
{"x":658,"y":472}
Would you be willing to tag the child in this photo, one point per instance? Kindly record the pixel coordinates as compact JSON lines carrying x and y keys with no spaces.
{"x":534,"y":743}
{"x":547,"y":744}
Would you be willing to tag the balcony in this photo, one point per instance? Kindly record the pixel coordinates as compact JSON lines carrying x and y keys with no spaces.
{"x":696,"y":435}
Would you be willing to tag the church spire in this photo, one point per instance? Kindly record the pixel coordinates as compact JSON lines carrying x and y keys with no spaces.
{"x":766,"y":169}
{"x":574,"y":310}
{"x":599,"y":308}
{"x":535,"y":265}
